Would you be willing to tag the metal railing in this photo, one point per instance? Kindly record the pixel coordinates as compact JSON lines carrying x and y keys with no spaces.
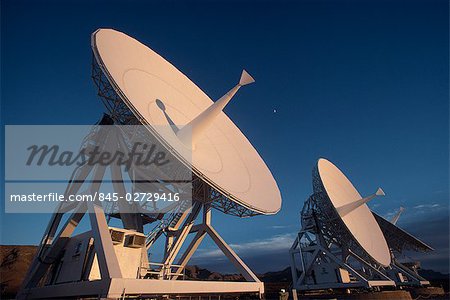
{"x":163,"y":271}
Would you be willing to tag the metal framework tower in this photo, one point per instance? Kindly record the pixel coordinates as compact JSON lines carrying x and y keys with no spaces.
{"x":321,"y":260}
{"x":109,"y":262}
{"x":101,"y":269}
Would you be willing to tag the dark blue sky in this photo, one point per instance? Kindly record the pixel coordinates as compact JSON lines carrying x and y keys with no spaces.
{"x":362,"y":83}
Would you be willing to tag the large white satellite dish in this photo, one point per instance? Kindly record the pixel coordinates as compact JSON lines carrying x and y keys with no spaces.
{"x":352,"y":209}
{"x":207,"y":140}
{"x":139,"y":87}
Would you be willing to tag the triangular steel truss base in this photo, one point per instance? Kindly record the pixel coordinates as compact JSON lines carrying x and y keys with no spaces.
{"x":314,"y":249}
{"x":112,"y":284}
{"x":38,"y":283}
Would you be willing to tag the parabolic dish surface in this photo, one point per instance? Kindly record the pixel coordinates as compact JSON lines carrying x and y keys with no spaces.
{"x":360,"y":222}
{"x":223,"y":157}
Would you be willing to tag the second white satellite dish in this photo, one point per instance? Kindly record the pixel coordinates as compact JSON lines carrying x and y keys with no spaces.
{"x":354,"y":212}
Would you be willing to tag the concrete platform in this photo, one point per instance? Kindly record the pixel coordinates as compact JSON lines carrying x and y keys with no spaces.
{"x":384,"y":295}
{"x":118,"y":288}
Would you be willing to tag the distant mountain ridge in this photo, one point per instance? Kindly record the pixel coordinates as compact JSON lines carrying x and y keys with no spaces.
{"x":197,"y":273}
